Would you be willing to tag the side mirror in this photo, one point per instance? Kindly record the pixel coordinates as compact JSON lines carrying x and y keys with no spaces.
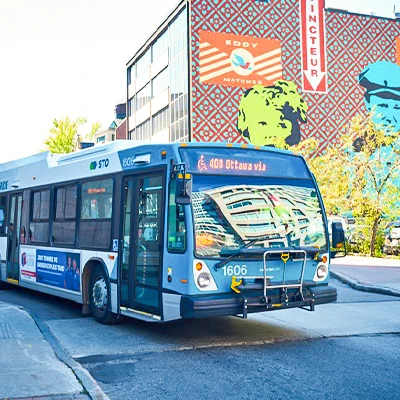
{"x":338,"y":240}
{"x":183,"y":193}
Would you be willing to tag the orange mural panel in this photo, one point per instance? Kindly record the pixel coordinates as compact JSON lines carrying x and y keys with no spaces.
{"x":398,"y":50}
{"x":239,"y":61}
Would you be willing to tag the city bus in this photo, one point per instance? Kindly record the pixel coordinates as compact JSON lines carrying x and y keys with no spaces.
{"x":161,"y":232}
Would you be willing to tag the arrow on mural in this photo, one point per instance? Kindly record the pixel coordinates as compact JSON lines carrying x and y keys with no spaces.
{"x":313,"y":46}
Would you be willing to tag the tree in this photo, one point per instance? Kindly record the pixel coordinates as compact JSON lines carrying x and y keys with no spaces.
{"x":361,"y":174}
{"x":64,"y":135}
{"x":374,"y":172}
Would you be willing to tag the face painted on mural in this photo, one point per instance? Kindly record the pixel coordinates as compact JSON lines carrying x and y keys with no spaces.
{"x":382,"y":83}
{"x":387,"y":111}
{"x":269,"y":114}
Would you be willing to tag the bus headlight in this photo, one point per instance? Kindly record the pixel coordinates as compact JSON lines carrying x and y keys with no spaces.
{"x":322,"y":270}
{"x":202,"y":276}
{"x":203,"y":280}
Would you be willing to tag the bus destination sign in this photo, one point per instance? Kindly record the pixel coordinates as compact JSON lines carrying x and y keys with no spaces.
{"x":244,"y":162}
{"x":219,"y":164}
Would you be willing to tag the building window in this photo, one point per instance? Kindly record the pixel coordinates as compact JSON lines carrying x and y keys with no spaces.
{"x":143,"y":96}
{"x":96,"y":213}
{"x":161,"y":120}
{"x":143,"y":131}
{"x":131,"y":106}
{"x":64,"y":224}
{"x":39,"y":224}
{"x":160,"y":45}
{"x":160,"y":82}
{"x":178,"y":54}
{"x":175,"y":77}
{"x":129,"y":77}
{"x":101,"y":139}
{"x":143,"y":63}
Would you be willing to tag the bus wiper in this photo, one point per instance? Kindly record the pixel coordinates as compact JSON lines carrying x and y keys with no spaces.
{"x":245,"y":246}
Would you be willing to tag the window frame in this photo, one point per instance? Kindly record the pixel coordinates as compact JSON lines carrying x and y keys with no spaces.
{"x":33,"y":220}
{"x":171,"y":187}
{"x":3,"y":229}
{"x":83,"y":221}
{"x":61,"y":220}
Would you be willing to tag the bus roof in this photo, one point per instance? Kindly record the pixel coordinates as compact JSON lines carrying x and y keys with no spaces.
{"x":45,"y":167}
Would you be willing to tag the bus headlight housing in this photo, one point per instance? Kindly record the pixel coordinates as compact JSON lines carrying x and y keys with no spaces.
{"x":203,"y":280}
{"x":321,"y":273}
{"x":202,"y":276}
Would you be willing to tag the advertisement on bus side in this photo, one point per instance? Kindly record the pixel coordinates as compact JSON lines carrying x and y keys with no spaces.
{"x":53,"y":268}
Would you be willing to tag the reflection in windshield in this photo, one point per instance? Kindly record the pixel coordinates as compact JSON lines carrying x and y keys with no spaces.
{"x":226,"y":217}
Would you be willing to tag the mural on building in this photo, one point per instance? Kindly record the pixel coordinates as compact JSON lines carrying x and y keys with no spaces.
{"x":382,"y":83}
{"x":239,"y":60}
{"x":313,"y":51}
{"x":326,"y":62}
{"x":270,"y":113}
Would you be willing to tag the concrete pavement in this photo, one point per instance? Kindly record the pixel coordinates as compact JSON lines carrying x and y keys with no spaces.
{"x":376,"y":275}
{"x":32,"y":366}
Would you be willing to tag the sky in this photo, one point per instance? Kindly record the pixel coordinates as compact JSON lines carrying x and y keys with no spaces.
{"x":63,"y":58}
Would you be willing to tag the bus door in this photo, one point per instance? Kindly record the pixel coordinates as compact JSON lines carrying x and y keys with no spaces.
{"x":142,"y":243}
{"x":13,"y":231}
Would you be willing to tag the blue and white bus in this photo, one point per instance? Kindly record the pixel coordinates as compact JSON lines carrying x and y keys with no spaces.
{"x":161,"y":232}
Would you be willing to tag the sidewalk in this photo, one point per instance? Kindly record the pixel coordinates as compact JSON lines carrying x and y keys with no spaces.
{"x":29,"y":366}
{"x":376,"y":275}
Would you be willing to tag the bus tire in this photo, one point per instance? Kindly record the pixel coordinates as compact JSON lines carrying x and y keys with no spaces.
{"x":3,"y":285}
{"x":99,"y":292}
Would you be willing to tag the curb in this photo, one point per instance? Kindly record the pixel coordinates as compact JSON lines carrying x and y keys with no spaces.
{"x":86,"y":380}
{"x":363,"y":287}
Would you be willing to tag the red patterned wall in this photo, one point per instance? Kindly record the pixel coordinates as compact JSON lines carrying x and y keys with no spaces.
{"x":352,"y":43}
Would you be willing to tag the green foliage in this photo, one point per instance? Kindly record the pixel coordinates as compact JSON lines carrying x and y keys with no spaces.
{"x":374,"y":173}
{"x":365,"y":182}
{"x":64,"y":135}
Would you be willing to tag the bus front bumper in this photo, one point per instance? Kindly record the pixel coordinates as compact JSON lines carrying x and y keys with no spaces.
{"x":214,"y":305}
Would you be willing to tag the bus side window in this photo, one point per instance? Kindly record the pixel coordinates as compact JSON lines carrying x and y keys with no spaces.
{"x":96,"y":213}
{"x":40,"y":214}
{"x":176,"y":223}
{"x":3,"y":230}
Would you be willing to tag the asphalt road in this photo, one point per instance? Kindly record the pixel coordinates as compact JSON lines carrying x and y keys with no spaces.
{"x":346,"y":368}
{"x":346,"y":350}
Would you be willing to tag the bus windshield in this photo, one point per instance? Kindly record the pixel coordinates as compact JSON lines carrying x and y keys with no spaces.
{"x":230,"y":211}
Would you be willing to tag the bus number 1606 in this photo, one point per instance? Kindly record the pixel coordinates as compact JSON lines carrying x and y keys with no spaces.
{"x":237,"y":270}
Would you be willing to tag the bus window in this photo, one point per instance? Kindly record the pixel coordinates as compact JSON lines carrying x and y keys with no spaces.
{"x":64,"y":224}
{"x":96,"y":213}
{"x":176,"y":222}
{"x":39,"y":225}
{"x":3,"y":215}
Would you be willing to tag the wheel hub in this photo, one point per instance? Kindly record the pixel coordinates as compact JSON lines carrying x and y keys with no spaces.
{"x":100,"y":295}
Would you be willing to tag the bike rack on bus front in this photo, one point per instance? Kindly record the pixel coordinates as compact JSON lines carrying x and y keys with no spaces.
{"x":284,"y":256}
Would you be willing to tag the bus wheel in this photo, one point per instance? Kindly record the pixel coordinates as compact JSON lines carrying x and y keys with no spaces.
{"x":100,"y":297}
